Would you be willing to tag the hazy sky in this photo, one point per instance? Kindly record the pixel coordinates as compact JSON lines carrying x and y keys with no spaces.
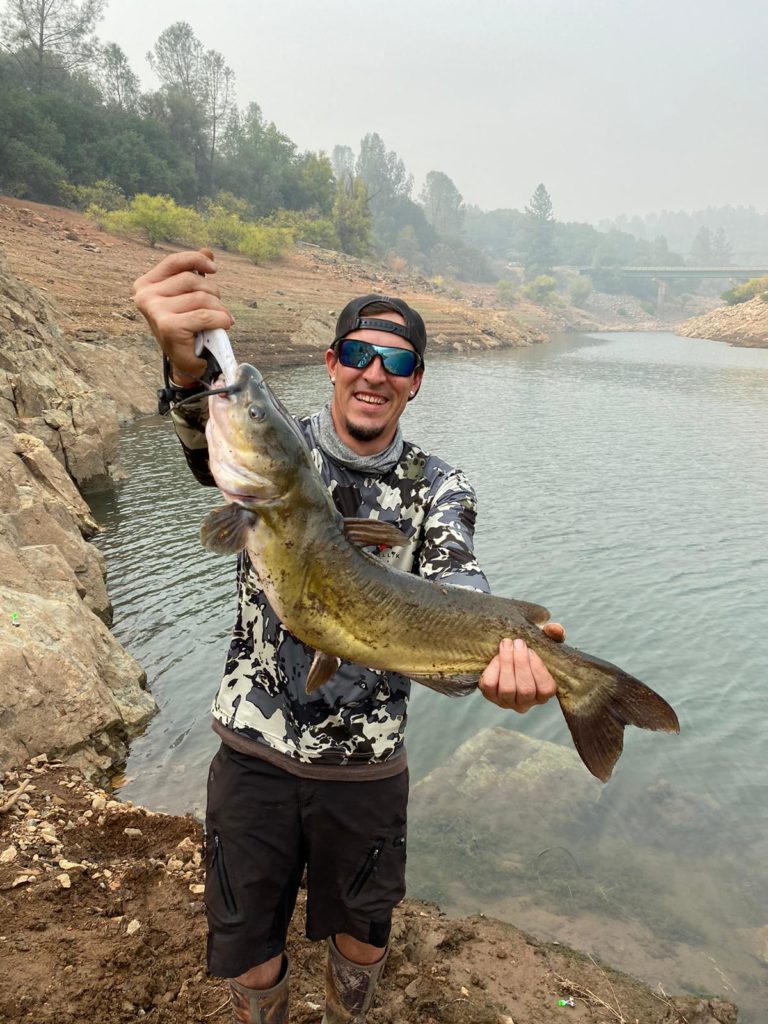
{"x":618,"y":106}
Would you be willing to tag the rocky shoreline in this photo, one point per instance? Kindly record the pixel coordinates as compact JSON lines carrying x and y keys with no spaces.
{"x":744,"y":325}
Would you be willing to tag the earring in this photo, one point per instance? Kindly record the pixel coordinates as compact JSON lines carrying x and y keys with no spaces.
{"x":413,"y":393}
{"x":333,"y":380}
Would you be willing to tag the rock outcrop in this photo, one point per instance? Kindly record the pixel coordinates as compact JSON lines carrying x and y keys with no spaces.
{"x":69,"y":689}
{"x":744,"y":325}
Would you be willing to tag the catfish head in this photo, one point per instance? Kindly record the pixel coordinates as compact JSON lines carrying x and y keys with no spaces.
{"x":255,"y":449}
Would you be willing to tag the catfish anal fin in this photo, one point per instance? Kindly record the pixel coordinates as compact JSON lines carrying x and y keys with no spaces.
{"x":225,"y":530}
{"x":323,"y":667}
{"x":449,"y":686}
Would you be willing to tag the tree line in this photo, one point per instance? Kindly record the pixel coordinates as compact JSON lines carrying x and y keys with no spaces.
{"x":76,"y":128}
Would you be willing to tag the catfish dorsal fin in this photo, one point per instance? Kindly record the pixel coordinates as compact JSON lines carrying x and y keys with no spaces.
{"x":225,"y":530}
{"x":365,"y":532}
{"x":323,"y":667}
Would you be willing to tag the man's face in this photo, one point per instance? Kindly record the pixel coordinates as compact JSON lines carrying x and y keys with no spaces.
{"x":368,"y":403}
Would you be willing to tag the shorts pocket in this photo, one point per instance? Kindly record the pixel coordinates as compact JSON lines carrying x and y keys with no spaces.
{"x":220,"y":901}
{"x":379,"y":881}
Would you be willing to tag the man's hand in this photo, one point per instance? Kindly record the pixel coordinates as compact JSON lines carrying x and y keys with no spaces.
{"x":517,"y":678}
{"x":177,"y":303}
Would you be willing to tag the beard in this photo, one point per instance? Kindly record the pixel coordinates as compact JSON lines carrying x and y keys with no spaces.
{"x":363,"y":433}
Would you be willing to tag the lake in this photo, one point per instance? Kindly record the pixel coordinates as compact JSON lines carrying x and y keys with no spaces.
{"x":622,"y":481}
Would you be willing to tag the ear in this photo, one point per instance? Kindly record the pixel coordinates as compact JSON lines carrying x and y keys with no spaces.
{"x":417,"y":378}
{"x":331,"y":361}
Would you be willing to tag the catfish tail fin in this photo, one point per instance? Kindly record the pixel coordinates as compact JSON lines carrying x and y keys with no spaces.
{"x":598,"y":700}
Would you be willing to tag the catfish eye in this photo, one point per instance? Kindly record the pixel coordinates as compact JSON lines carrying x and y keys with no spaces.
{"x":255,"y":412}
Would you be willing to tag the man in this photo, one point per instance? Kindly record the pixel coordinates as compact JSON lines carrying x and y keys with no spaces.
{"x":321,"y":781}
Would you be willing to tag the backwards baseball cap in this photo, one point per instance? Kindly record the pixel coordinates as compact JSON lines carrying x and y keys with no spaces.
{"x":350,"y":320}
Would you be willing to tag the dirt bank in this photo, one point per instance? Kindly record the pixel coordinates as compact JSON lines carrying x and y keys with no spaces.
{"x":101,"y":922}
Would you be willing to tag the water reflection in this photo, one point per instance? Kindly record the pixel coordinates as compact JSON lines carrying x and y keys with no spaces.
{"x":623,"y":482}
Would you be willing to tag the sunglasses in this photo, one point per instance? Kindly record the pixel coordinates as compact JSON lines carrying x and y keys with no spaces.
{"x":400,"y":362}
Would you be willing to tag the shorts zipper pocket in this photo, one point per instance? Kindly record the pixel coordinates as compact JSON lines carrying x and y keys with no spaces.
{"x":217,"y":861}
{"x":368,"y":868}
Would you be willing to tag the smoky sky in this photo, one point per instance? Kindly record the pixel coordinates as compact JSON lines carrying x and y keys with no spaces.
{"x":617,"y":107}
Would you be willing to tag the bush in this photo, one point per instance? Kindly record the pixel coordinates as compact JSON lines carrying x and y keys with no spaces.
{"x":223,"y":229}
{"x":155,"y":218}
{"x":305,"y":227}
{"x":540,"y":290}
{"x":261,"y":243}
{"x":508,"y":291}
{"x":105,"y":195}
{"x":746,"y":291}
{"x":579,"y":290}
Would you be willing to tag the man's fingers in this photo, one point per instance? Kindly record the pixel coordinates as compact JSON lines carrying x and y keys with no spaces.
{"x":177,"y":263}
{"x":186,"y":281}
{"x":545,"y":684}
{"x":525,"y":684}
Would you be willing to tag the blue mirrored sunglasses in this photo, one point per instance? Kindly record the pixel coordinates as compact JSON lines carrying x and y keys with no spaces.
{"x":400,"y":362}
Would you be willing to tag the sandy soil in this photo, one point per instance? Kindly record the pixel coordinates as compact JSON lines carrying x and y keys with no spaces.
{"x":102,"y":922}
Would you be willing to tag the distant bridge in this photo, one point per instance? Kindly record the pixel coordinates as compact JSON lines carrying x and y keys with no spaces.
{"x":660,"y":275}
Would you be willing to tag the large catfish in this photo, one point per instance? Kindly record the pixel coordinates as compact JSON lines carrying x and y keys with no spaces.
{"x":346,"y":605}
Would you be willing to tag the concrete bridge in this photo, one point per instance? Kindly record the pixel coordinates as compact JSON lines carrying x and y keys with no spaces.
{"x":660,"y":275}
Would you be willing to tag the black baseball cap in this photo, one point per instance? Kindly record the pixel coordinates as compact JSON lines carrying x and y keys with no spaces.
{"x":413,"y":330}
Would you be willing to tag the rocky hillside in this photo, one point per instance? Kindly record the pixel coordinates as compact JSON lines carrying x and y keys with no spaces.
{"x":68,"y":687}
{"x":745,"y":325}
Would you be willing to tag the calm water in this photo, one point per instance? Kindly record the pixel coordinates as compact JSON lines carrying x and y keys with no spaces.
{"x":623,"y":482}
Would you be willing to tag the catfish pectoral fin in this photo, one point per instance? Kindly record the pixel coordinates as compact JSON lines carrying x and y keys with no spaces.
{"x":597,"y":721}
{"x":364,"y":532}
{"x":323,"y":667}
{"x":453,"y":686}
{"x":225,"y":530}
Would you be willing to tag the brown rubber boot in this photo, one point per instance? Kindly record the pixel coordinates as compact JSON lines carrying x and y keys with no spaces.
{"x":261,"y":1006}
{"x":349,"y":987}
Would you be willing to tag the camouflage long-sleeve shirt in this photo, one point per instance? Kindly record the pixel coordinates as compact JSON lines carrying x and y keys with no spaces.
{"x":359,"y":716}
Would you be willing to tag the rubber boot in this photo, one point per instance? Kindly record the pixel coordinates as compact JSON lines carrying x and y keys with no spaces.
{"x":261,"y":1006}
{"x":349,"y":987}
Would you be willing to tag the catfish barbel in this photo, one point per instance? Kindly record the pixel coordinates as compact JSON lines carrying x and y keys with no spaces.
{"x":340,"y":601}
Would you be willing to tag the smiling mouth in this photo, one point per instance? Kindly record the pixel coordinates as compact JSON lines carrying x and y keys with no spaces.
{"x":374,"y":400}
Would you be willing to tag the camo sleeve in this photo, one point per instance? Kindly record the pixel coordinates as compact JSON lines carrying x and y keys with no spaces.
{"x":189,"y":423}
{"x":446,"y":552}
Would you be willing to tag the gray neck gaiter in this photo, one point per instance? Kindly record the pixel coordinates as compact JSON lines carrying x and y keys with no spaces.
{"x":333,"y":446}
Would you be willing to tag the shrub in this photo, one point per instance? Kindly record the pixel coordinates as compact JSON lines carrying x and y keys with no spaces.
{"x":223,"y":229}
{"x":104,"y":194}
{"x":508,"y":291}
{"x":746,"y":291}
{"x":155,"y":218}
{"x":261,"y":243}
{"x":305,"y":227}
{"x":579,"y":290}
{"x":540,"y":290}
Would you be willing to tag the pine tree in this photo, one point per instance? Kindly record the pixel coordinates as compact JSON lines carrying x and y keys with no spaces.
{"x":539,"y":253}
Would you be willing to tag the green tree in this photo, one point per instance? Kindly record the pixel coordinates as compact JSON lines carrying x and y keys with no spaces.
{"x":443,"y":204}
{"x":343,"y":163}
{"x":539,"y":254}
{"x":352,"y":218}
{"x":47,"y":37}
{"x":119,"y":85}
{"x":178,"y":59}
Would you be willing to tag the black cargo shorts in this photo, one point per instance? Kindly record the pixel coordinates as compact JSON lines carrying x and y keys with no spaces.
{"x":264,"y":825}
